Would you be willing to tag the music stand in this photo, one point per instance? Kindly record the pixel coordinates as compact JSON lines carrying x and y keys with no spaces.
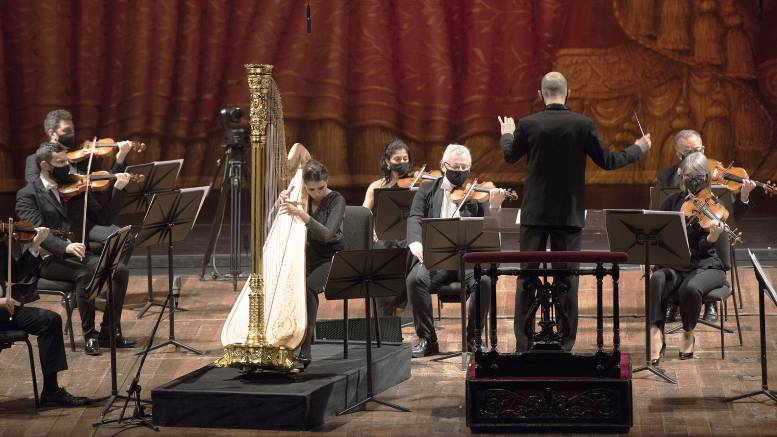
{"x":159,"y":177}
{"x":445,"y":242}
{"x":764,"y":286}
{"x":367,"y":274}
{"x":649,"y":238}
{"x":392,"y":207}
{"x":103,"y":274}
{"x":169,"y":219}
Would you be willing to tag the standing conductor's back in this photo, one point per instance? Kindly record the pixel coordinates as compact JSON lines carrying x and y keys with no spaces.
{"x":555,"y":142}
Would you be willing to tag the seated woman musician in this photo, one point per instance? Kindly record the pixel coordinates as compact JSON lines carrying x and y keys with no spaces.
{"x":394,"y":164}
{"x":324,"y":219}
{"x":706,"y":272}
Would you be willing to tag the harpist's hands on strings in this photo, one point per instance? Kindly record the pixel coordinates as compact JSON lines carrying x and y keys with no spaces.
{"x":292,"y":208}
{"x":282,"y":197}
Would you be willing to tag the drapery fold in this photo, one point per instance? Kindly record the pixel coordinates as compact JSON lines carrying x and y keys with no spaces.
{"x":431,"y":71}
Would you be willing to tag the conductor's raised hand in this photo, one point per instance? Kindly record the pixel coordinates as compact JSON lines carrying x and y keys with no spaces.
{"x":507,"y":124}
{"x":644,"y":143}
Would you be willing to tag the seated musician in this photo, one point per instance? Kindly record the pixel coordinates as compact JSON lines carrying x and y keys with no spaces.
{"x":394,"y":164}
{"x":434,"y":200}
{"x":59,"y":128}
{"x":688,"y":141}
{"x":324,"y":219}
{"x":45,"y":324}
{"x":39,"y":202}
{"x":706,"y":272}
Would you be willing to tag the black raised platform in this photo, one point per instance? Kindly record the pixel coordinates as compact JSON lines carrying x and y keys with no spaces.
{"x":224,"y":398}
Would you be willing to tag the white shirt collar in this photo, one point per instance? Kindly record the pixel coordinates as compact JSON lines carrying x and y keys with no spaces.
{"x":48,"y":183}
{"x":446,"y":184}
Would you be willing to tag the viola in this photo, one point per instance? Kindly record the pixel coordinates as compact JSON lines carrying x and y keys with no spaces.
{"x":104,"y":147}
{"x":479,"y":192}
{"x":25,"y":231}
{"x":98,"y":181}
{"x":705,"y":209}
{"x":732,"y":177}
{"x":418,"y":178}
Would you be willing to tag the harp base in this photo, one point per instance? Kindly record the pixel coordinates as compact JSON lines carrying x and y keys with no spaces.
{"x":253,"y":358}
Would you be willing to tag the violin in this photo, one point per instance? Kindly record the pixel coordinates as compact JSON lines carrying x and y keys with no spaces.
{"x":418,"y":178}
{"x":705,"y":209}
{"x":98,"y":181}
{"x":104,"y":147}
{"x":25,"y":231}
{"x":479,"y":192}
{"x":732,"y":177}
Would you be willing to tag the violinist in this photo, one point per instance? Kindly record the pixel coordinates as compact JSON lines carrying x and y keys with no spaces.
{"x":688,"y":141}
{"x":59,"y":128}
{"x":45,"y":324}
{"x":434,"y":200}
{"x":40,"y":203}
{"x":556,"y":142}
{"x":324,"y":220}
{"x":688,"y":285}
{"x":394,"y":164}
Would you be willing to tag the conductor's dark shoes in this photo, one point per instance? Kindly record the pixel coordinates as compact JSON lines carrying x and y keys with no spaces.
{"x":425,"y":347}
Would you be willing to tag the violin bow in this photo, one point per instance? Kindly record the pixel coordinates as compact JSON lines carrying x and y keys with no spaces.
{"x":466,"y":196}
{"x":420,"y":175}
{"x":8,"y":283}
{"x":86,"y":192}
{"x":638,"y":123}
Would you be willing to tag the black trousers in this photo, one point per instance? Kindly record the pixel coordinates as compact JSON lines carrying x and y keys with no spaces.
{"x":72,"y":270}
{"x":47,"y":326}
{"x":314,"y":284}
{"x":387,"y":306}
{"x":422,"y":281}
{"x":686,"y":288}
{"x":533,"y":238}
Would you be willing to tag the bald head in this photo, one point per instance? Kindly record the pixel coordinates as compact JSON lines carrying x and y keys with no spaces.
{"x":554,"y":86}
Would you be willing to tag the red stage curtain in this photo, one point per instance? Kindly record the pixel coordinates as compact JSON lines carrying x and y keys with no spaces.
{"x":431,"y":72}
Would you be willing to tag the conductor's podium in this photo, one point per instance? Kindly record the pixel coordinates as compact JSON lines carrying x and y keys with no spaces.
{"x":547,"y":388}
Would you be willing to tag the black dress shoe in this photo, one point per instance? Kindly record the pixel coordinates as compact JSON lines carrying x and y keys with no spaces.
{"x":671,"y":313}
{"x":654,"y":362}
{"x":61,"y":398}
{"x":304,"y":360}
{"x":120,"y":341}
{"x":92,"y":346}
{"x":425,"y":347}
{"x":688,"y":355}
{"x":710,"y":313}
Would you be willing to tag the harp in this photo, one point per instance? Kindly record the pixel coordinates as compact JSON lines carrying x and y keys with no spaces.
{"x":267,"y":322}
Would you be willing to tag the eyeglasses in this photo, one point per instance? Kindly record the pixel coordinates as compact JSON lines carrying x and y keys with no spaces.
{"x":460,"y":167}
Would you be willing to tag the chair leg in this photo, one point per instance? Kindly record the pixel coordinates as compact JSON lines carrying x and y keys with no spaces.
{"x":345,"y":328}
{"x":34,"y":377}
{"x":736,"y":316}
{"x":69,"y":321}
{"x":722,"y":337}
{"x":439,"y":308}
{"x":376,"y":322}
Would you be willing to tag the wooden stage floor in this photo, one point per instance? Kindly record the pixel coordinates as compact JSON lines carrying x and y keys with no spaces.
{"x":435,"y":393}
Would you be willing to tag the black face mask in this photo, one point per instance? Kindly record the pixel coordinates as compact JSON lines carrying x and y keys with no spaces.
{"x":61,"y":174}
{"x":694,"y":184}
{"x":457,"y":177}
{"x":402,"y":168}
{"x":68,"y":140}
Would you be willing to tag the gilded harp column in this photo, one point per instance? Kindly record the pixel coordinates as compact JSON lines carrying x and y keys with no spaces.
{"x":256,"y":353}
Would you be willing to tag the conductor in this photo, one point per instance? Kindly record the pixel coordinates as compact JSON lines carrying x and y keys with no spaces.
{"x":555,"y":142}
